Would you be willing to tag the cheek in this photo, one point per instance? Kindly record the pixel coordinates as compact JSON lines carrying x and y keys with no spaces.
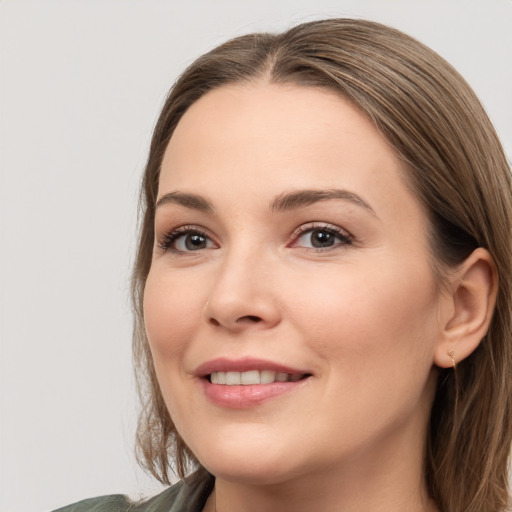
{"x":375,"y":334}
{"x":171,"y":311}
{"x":371,"y":316}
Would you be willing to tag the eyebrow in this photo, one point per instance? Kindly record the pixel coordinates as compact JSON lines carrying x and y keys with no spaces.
{"x":302,"y":198}
{"x":192,"y":201}
{"x":282,"y":203}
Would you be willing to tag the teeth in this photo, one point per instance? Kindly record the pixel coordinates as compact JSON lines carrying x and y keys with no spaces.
{"x":233,"y":378}
{"x":267,"y":377}
{"x":252,"y":377}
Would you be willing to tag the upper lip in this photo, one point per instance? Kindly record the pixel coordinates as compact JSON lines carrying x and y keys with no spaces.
{"x":244,"y":365}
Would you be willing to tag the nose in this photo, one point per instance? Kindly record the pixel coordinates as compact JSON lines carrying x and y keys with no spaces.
{"x":243,"y":295}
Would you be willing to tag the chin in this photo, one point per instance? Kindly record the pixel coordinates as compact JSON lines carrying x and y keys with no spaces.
{"x":251,"y":472}
{"x":250,"y":463}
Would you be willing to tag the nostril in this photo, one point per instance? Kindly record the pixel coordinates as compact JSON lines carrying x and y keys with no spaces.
{"x":249,"y":318}
{"x":235,"y":322}
{"x":243,"y":319}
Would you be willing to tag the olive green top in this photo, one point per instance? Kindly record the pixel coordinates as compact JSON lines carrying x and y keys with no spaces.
{"x":185,"y":496}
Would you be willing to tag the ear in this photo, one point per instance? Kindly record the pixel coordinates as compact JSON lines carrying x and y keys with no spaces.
{"x":472,"y":296}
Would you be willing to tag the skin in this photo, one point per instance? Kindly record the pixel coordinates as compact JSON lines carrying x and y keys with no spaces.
{"x":365,"y":317}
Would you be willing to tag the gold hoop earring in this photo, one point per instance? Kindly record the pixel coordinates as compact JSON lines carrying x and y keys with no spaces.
{"x":451,"y":353}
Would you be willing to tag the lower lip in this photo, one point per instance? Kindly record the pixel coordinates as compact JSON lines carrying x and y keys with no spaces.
{"x":244,"y":397}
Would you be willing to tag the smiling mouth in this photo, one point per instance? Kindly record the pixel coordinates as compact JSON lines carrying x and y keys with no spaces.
{"x":253,"y":377}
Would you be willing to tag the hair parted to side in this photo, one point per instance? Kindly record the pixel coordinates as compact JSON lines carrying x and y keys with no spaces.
{"x":458,"y":171}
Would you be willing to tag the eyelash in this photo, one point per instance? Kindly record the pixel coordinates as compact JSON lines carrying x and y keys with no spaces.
{"x":343,"y":236}
{"x":166,"y":243}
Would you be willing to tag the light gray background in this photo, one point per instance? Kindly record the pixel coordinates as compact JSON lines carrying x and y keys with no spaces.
{"x":81,"y":83}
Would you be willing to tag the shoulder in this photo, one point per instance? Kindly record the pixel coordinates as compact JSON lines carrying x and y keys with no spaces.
{"x":113,"y":503}
{"x":173,"y":499}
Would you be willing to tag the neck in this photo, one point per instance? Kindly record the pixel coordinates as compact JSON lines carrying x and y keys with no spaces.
{"x":230,"y":497}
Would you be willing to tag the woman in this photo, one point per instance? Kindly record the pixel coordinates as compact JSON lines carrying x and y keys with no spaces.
{"x":322,"y":286}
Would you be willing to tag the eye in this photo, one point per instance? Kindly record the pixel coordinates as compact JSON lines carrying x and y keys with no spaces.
{"x":186,"y":239}
{"x":321,"y":237}
{"x":192,"y":242}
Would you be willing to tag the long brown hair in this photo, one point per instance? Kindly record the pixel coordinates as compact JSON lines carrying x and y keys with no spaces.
{"x":457,"y":169}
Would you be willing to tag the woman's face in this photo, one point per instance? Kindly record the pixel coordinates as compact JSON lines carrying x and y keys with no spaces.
{"x":290,"y":307}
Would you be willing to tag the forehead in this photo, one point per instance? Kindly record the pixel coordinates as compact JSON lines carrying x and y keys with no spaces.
{"x":272,"y":114}
{"x":265,"y":138}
